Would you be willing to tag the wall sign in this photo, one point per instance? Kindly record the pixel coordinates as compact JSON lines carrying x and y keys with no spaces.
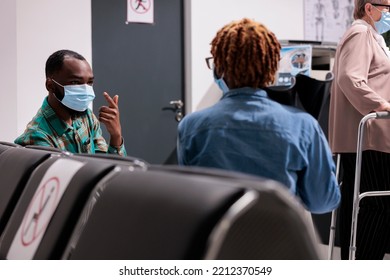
{"x":140,"y":11}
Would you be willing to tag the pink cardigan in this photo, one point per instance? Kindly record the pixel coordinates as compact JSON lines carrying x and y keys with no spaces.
{"x":361,"y":84}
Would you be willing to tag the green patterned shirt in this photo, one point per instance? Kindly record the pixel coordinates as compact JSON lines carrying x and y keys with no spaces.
{"x":83,"y":136}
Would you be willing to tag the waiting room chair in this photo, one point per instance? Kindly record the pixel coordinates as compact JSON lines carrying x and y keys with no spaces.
{"x":184,"y":213}
{"x":313,"y":94}
{"x":130,"y":162}
{"x":49,"y":207}
{"x":16,"y":166}
{"x":6,"y":145}
{"x":309,"y":94}
{"x":54,"y":178}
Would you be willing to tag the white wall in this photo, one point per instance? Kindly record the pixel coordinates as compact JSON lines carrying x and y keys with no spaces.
{"x":34,"y":30}
{"x":283,"y":17}
{"x":30,"y":30}
{"x":8,"y":121}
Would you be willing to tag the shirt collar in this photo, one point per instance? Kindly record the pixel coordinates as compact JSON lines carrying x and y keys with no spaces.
{"x":362,"y":21}
{"x":378,"y":37}
{"x":56,"y":123}
{"x":245,"y":91}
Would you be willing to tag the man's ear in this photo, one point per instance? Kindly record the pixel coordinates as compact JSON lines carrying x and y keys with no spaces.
{"x":49,"y":85}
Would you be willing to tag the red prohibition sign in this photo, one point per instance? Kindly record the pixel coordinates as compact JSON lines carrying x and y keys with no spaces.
{"x":44,"y":200}
{"x":140,"y":6}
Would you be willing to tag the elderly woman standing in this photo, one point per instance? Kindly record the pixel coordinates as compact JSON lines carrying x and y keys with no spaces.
{"x":361,"y":86}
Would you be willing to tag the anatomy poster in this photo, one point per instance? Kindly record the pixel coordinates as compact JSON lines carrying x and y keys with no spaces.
{"x":327,"y":20}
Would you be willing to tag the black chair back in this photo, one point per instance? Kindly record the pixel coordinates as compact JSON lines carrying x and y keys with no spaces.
{"x":48,"y":209}
{"x":313,"y":94}
{"x":285,"y":94}
{"x":16,"y":166}
{"x":184,"y":213}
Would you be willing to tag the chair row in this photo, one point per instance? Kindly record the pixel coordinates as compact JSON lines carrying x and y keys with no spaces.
{"x":57,"y":205}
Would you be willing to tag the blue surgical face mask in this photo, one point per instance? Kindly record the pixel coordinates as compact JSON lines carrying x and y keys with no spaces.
{"x":221,"y":83}
{"x":77,"y":97}
{"x":383,"y":25}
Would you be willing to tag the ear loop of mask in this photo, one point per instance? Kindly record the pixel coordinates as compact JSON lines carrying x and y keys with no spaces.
{"x":220,"y":82}
{"x":55,"y":95}
{"x":378,"y":11}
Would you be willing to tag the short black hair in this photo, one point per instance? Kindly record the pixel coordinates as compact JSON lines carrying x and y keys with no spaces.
{"x":56,"y":60}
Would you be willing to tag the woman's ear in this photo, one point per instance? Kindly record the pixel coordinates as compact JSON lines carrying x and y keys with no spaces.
{"x":368,"y":8}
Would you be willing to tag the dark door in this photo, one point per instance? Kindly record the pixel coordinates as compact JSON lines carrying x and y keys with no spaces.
{"x":143,"y":64}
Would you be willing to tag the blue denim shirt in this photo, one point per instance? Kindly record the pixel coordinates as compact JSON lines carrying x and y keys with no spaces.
{"x":248,"y":132}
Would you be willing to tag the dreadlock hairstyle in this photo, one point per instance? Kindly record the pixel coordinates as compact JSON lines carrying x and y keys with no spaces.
{"x":246,"y":54}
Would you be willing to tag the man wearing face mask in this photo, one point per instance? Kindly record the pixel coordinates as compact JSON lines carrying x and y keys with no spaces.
{"x":248,"y":132}
{"x":64,"y":120}
{"x":361,"y":86}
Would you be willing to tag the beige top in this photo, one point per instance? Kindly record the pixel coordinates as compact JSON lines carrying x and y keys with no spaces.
{"x":361,"y":84}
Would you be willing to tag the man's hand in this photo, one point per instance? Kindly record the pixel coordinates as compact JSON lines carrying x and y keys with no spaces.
{"x":109,"y":116}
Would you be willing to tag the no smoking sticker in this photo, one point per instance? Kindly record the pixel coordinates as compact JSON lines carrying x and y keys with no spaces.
{"x":36,"y":219}
{"x":140,"y":11}
{"x":140,"y":6}
{"x":41,"y":209}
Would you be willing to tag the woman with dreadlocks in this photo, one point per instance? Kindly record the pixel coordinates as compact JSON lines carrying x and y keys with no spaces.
{"x":248,"y":132}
